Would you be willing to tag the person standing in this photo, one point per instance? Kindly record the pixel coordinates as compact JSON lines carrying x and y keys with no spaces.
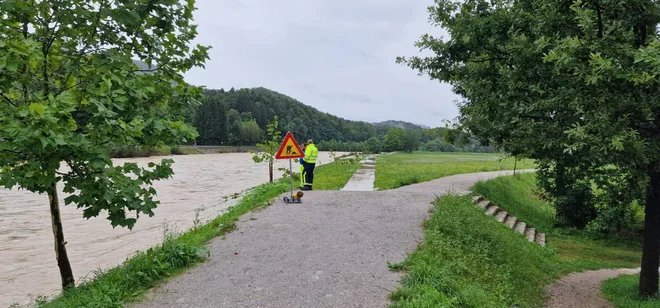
{"x":302,"y":168}
{"x":311,"y":154}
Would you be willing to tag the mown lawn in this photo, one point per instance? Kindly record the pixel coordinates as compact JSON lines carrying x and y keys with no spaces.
{"x":402,"y":169}
{"x":468,"y":259}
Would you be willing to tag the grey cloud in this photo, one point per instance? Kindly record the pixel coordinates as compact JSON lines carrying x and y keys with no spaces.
{"x":335,"y":55}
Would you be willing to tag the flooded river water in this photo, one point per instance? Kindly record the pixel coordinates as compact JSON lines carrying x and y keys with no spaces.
{"x":27,"y":259}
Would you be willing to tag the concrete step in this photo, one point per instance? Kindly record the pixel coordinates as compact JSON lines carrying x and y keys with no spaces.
{"x":501,"y":216}
{"x":540,"y":238}
{"x":492,"y":210}
{"x":368,"y":167}
{"x":477,"y":199}
{"x":530,"y":234}
{"x":520,"y":227}
{"x":511,"y":221}
{"x":484,"y":204}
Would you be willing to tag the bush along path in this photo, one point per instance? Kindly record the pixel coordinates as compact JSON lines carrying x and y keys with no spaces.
{"x":331,"y":250}
{"x":512,"y":222}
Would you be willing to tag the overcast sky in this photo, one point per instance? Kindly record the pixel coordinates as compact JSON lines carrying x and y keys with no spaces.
{"x":335,"y":55}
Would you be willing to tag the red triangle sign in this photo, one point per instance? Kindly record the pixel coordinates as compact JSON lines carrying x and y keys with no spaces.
{"x":289,"y":148}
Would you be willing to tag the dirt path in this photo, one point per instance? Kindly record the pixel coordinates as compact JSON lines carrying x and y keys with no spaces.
{"x":582,"y":290}
{"x":330,"y":251}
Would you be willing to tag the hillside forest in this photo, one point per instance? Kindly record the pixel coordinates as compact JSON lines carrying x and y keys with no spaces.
{"x":240,"y":117}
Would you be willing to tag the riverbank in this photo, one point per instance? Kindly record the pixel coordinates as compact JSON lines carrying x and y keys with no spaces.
{"x":202,"y":188}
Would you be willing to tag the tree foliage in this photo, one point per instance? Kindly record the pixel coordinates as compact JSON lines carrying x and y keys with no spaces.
{"x":70,"y":87}
{"x":572,"y":84}
{"x":395,"y":140}
{"x":269,"y":147}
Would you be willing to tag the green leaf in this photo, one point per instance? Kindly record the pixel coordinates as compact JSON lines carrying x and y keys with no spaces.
{"x":12,"y":66}
{"x":37,"y":108}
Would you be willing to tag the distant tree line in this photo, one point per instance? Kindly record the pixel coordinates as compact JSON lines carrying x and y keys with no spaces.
{"x":240,"y":117}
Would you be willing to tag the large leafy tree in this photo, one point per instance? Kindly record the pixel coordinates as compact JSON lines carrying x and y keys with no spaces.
{"x":573,"y":84}
{"x":70,"y":86}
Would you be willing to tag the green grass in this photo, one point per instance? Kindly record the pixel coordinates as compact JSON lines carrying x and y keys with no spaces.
{"x":622,"y":292}
{"x":333,"y":176}
{"x":115,"y":287}
{"x":401,"y":169}
{"x":517,"y":194}
{"x":468,"y":259}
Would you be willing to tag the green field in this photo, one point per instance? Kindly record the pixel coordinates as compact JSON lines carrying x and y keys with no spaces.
{"x":402,"y":169}
{"x":468,"y":259}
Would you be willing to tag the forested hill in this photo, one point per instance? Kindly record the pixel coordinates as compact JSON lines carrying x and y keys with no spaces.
{"x":240,"y":117}
{"x":236,"y":116}
{"x":400,"y":124}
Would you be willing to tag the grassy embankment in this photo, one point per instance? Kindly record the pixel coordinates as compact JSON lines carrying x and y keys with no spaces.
{"x":468,"y":259}
{"x":115,"y":287}
{"x":402,"y":169}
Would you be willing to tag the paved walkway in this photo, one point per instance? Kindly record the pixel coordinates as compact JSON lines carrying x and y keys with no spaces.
{"x":330,"y":251}
{"x":364,"y":177}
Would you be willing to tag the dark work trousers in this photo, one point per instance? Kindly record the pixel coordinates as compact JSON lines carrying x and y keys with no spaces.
{"x":309,"y":173}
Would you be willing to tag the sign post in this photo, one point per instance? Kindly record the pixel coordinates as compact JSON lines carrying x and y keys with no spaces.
{"x":290,"y":150}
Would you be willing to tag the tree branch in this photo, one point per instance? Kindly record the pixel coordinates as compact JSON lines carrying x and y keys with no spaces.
{"x":7,"y":99}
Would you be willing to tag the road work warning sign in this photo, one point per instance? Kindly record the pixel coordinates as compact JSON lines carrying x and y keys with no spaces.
{"x":289,"y":148}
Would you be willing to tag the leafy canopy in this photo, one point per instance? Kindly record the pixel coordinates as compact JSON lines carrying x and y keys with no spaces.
{"x":70,"y":88}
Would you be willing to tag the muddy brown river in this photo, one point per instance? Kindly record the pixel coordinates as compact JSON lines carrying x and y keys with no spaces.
{"x":27,"y":260}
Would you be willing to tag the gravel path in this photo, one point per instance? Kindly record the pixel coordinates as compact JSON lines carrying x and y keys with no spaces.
{"x":582,"y":290}
{"x":330,"y":251}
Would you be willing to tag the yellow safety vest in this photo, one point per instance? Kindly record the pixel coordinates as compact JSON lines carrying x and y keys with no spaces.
{"x":311,"y":154}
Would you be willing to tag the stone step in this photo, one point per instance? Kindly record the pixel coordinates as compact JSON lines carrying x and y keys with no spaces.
{"x":530,"y":234}
{"x":511,"y":221}
{"x":520,"y":227}
{"x":540,"y":238}
{"x":484,"y":204}
{"x":501,"y":216}
{"x":492,"y":210}
{"x":477,"y":199}
{"x":368,"y":167}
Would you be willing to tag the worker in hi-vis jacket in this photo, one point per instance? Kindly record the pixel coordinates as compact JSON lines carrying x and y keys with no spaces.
{"x":311,"y":154}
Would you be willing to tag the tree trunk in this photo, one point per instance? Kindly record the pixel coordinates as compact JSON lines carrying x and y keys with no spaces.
{"x":270,"y":170}
{"x":648,"y":279}
{"x":515,"y":164}
{"x":60,"y":245}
